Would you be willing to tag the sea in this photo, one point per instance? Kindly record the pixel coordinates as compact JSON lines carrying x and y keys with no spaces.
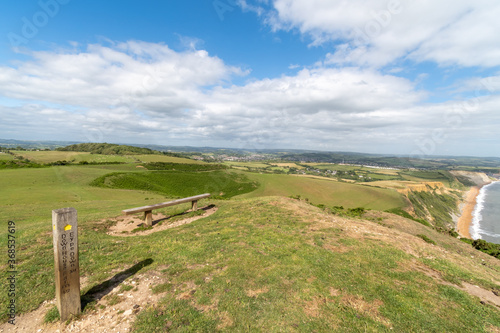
{"x":486,"y":215}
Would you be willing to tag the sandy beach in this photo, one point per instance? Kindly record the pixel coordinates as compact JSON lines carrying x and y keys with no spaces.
{"x":465,"y":220}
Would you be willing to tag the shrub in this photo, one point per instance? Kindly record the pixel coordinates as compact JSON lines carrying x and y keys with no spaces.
{"x":486,"y":247}
{"x":402,"y":213}
{"x":183,"y":167}
{"x":427,"y":239}
{"x":356,"y":212}
{"x":466,"y":240}
{"x":350,"y":212}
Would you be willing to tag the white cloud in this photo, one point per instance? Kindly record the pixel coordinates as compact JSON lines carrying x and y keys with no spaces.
{"x":121,"y":74}
{"x":377,"y":32}
{"x":142,"y":92}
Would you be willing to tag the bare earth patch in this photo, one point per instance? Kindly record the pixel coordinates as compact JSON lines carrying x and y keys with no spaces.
{"x":256,"y":292}
{"x":484,"y":295}
{"x":114,"y":312}
{"x":126,"y":224}
{"x":366,"y":308}
{"x":313,"y":308}
{"x":225,"y":320}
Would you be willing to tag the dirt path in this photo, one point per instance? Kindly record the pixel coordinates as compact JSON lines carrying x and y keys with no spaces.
{"x":126,"y":224}
{"x":465,"y":220}
{"x":114,"y":312}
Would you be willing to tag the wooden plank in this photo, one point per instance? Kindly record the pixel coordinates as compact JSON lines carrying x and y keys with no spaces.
{"x":164,"y":204}
{"x":66,"y":262}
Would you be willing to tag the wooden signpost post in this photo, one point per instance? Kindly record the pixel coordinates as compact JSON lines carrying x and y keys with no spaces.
{"x":65,"y":239}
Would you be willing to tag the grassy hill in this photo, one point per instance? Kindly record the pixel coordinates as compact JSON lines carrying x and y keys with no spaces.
{"x":282,"y":265}
{"x":220,"y":184}
{"x":324,"y":191}
{"x":86,"y":157}
{"x":262,"y":262}
{"x":108,"y":149}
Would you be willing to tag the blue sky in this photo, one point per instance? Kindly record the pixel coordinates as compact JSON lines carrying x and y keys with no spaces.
{"x":384,"y":76}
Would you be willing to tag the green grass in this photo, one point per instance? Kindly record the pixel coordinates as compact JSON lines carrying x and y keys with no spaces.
{"x":6,"y":157}
{"x":29,"y":195}
{"x":164,"y":166}
{"x":430,"y":176}
{"x":338,"y":167}
{"x":400,"y":212}
{"x":164,"y":158}
{"x":427,"y":239}
{"x":257,"y":264}
{"x":327,"y":192}
{"x":248,"y":164}
{"x":440,"y":206}
{"x":77,"y":157}
{"x":372,"y":174}
{"x":220,"y":184}
{"x":52,"y":315}
{"x":264,"y":270}
{"x":70,"y":156}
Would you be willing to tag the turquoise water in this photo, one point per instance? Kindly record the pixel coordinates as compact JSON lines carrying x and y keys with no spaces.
{"x":486,"y":215}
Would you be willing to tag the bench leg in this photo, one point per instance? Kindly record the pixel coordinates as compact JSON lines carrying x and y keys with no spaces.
{"x":148,"y":218}
{"x":194,"y":205}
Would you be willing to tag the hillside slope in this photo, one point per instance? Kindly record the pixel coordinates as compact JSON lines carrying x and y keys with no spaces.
{"x":276,"y":264}
{"x":108,"y":149}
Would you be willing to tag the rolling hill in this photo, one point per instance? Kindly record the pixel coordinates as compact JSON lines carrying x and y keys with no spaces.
{"x":260,"y":262}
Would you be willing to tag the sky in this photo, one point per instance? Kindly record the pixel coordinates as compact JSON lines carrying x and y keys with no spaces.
{"x":416,"y":78}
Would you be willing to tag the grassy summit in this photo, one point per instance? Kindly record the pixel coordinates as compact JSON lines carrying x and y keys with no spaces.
{"x":262,"y":262}
{"x":272,"y":264}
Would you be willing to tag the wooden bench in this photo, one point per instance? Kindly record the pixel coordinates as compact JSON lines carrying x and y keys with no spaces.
{"x":148,"y":210}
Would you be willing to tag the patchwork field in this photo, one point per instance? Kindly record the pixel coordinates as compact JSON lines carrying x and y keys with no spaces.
{"x":247,"y":164}
{"x":288,"y":165}
{"x":325,"y":192}
{"x":163,"y":158}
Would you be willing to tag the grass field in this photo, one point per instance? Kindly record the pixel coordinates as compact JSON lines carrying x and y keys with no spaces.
{"x":6,"y":157}
{"x":325,"y":192}
{"x":221,"y":184}
{"x":288,"y":165}
{"x":394,"y":184}
{"x":54,"y":156}
{"x":375,"y":174}
{"x":29,"y":195}
{"x":247,"y":164}
{"x":76,"y":157}
{"x":164,"y":158}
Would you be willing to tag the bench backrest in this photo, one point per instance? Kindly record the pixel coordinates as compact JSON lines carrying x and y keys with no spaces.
{"x":164,"y":204}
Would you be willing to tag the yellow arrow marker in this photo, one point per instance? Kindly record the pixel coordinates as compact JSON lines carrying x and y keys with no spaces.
{"x":68,"y":227}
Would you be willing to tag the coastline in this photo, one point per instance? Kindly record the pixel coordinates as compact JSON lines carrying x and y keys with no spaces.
{"x":465,"y":220}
